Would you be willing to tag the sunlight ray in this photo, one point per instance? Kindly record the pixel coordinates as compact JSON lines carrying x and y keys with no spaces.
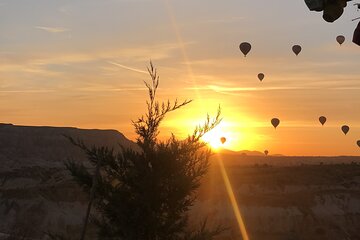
{"x":232,"y":199}
{"x":182,"y":47}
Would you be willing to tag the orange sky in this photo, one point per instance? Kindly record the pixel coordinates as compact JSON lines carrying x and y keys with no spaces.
{"x":82,"y":64}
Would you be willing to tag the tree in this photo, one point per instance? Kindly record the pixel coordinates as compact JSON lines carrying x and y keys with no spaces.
{"x":146,"y":194}
{"x":332,"y":10}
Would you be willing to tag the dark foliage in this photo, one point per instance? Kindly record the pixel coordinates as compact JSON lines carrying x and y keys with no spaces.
{"x":146,"y":194}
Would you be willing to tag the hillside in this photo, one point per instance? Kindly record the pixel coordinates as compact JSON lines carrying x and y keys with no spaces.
{"x":275,"y":160}
{"x":35,"y":188}
{"x":309,"y":202}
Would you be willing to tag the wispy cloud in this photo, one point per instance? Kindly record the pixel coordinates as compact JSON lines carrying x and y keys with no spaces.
{"x":135,"y":54}
{"x":81,"y":89}
{"x":104,"y":89}
{"x":53,"y":29}
{"x":222,"y":89}
{"x":225,"y":20}
{"x":28,"y":91}
{"x":127,"y":68}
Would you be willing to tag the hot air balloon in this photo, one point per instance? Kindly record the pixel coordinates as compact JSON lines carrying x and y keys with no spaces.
{"x":296,"y":49}
{"x":223,"y":140}
{"x":261,"y":76}
{"x":245,"y":48}
{"x":358,"y":143}
{"x":275,"y":122}
{"x":356,"y":36}
{"x":322,"y":120}
{"x":345,"y":129}
{"x":340,"y":39}
{"x":266,"y":152}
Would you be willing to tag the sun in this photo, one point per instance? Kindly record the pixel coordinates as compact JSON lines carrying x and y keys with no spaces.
{"x":217,"y":139}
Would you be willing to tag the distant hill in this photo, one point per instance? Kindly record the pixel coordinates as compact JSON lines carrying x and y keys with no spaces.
{"x":250,"y":153}
{"x":39,"y":146}
{"x":244,"y":153}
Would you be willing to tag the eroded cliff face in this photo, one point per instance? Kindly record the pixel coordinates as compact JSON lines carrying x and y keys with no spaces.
{"x":280,"y":200}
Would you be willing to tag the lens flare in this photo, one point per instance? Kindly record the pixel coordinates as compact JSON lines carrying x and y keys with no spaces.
{"x":232,"y":199}
{"x":222,"y":168}
{"x":181,"y":45}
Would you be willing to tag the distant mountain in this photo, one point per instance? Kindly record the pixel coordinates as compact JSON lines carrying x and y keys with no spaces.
{"x":225,"y":151}
{"x":36,"y":146}
{"x":242,"y":152}
{"x":250,"y":153}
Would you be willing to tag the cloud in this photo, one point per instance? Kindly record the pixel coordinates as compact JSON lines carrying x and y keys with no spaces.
{"x":221,"y":89}
{"x":105,"y":88}
{"x":81,"y":89}
{"x":53,"y":29}
{"x":134,"y":54}
{"x":28,"y":91}
{"x":225,"y":20}
{"x":127,"y":68}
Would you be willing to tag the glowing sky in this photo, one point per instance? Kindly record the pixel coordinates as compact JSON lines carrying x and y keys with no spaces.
{"x":82,"y":63}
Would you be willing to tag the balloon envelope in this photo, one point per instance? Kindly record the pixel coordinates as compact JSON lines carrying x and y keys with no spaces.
{"x":356,"y":36}
{"x":345,"y":129}
{"x":275,"y":122}
{"x":261,"y":76}
{"x":266,"y":152}
{"x":322,"y":120}
{"x":223,"y":140}
{"x":296,"y":49}
{"x":340,"y":39}
{"x":245,"y":48}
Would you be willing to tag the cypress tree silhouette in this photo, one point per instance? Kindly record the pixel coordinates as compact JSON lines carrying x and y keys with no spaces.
{"x":146,"y":194}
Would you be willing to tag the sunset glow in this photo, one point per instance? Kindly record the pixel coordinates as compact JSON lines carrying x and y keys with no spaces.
{"x":233,"y":138}
{"x":57,"y":70}
{"x":213,"y":138}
